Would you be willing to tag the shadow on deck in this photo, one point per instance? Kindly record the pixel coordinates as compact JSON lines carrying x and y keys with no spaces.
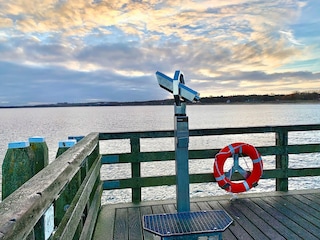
{"x":272,"y":215}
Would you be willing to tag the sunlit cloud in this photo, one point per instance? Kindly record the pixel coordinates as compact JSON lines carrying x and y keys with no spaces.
{"x":217,"y":44}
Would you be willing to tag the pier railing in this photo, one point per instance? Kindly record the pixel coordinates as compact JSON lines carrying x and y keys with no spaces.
{"x":281,"y":150}
{"x":75,"y":175}
{"x":39,"y":209}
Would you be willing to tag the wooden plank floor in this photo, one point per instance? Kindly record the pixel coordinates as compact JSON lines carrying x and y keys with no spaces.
{"x":273,"y":215}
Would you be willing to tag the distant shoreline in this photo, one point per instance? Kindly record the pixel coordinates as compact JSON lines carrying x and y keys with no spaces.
{"x":295,"y":98}
{"x":154,"y":104}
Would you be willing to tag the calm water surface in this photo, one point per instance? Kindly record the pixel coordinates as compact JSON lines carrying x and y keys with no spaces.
{"x":56,"y":124}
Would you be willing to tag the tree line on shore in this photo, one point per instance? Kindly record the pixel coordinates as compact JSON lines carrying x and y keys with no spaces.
{"x":253,"y":98}
{"x":294,"y":97}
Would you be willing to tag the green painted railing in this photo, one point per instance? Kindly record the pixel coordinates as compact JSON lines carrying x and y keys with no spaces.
{"x":75,"y":173}
{"x":281,"y":150}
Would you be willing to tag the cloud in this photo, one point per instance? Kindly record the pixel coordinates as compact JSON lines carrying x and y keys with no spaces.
{"x":60,"y":85}
{"x":289,"y":35}
{"x":88,"y":49}
{"x":257,"y":82}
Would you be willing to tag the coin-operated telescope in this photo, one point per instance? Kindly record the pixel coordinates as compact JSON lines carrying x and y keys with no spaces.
{"x":181,"y":134}
{"x":177,"y":87}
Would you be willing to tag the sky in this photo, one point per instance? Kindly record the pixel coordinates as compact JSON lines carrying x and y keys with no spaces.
{"x":87,"y":51}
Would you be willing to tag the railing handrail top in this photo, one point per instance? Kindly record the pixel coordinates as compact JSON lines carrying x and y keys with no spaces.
{"x":42,"y":189}
{"x":209,"y":131}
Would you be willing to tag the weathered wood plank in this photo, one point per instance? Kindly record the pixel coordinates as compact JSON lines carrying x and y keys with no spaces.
{"x":91,"y":219}
{"x":310,"y":231}
{"x":104,"y":229}
{"x":305,"y":207}
{"x":271,"y":221}
{"x":158,"y":209}
{"x":170,"y":208}
{"x":306,"y":200}
{"x":146,"y":211}
{"x":194,"y":207}
{"x":301,"y":211}
{"x":74,"y":213}
{"x":121,"y":229}
{"x":256,"y":218}
{"x":236,"y":229}
{"x":279,"y":213}
{"x":243,"y":219}
{"x":314,"y":198}
{"x":134,"y":222}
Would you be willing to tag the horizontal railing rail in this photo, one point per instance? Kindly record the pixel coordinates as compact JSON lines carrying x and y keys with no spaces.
{"x":71,"y":187}
{"x":24,"y":213}
{"x":281,"y":150}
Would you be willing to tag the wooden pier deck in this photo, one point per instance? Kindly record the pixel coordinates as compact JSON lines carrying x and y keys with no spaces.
{"x":271,"y":215}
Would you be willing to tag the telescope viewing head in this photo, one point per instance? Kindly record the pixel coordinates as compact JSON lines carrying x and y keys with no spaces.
{"x":177,"y":86}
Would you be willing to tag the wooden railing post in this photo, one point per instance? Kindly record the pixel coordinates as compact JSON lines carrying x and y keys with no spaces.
{"x":282,"y":160}
{"x":63,"y":202}
{"x":40,"y":148}
{"x":24,"y":160}
{"x":135,"y":168}
{"x":17,"y":167}
{"x":21,"y":210}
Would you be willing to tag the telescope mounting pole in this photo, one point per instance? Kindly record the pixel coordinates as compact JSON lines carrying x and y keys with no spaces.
{"x":181,"y":134}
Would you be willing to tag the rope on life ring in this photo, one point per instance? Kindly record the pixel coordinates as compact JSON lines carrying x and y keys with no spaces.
{"x":251,"y":178}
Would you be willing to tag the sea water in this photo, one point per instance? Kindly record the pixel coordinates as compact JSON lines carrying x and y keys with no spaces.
{"x":56,"y":124}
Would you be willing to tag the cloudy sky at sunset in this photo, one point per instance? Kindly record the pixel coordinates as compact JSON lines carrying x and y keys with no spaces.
{"x":109,"y":50}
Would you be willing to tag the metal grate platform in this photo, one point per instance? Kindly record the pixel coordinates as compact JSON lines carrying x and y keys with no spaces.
{"x":187,"y":223}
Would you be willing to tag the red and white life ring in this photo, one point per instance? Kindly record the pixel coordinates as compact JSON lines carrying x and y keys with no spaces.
{"x":251,"y":180}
